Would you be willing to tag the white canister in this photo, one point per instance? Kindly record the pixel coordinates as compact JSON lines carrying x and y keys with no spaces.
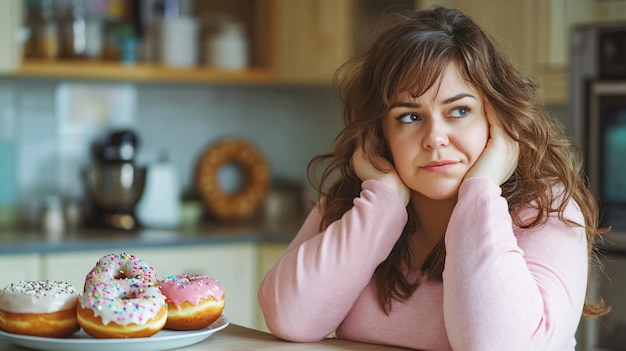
{"x":179,"y":38}
{"x":94,"y":30}
{"x":228,"y":47}
{"x":52,"y":219}
{"x":160,"y":206}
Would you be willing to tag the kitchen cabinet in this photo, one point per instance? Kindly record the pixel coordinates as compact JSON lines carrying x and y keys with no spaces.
{"x":259,"y":17}
{"x":234,"y":265}
{"x":305,"y":41}
{"x":290,"y":41}
{"x":314,"y":38}
{"x":269,"y":253}
{"x":301,"y":41}
{"x":536,"y":33}
{"x":14,"y":268}
{"x":516,"y":26}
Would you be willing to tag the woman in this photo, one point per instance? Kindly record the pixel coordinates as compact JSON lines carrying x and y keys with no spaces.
{"x":453,"y":212}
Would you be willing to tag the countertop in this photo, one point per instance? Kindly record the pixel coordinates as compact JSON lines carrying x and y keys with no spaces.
{"x":34,"y":241}
{"x":235,"y":337}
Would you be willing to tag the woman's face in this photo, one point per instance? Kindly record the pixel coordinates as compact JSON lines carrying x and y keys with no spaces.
{"x":436,"y":138}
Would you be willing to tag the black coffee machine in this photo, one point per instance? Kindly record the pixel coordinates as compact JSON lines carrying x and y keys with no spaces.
{"x":113,"y":182}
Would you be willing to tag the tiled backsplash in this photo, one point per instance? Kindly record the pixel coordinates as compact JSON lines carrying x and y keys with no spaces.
{"x":289,"y":124}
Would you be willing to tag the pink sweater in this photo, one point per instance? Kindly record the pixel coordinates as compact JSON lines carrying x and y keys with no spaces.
{"x":504,"y":288}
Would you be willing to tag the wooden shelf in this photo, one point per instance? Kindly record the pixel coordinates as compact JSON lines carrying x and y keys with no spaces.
{"x":105,"y":70}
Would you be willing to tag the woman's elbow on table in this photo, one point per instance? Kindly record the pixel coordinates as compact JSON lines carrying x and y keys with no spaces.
{"x":294,"y":331}
{"x":288,"y":323}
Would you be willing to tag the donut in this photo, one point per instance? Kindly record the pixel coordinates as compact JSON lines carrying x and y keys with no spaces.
{"x":43,"y":308}
{"x":193,"y":301}
{"x":121,"y":308}
{"x":244,"y":203}
{"x":120,"y":266}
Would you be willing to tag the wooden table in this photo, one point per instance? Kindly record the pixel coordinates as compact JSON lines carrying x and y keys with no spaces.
{"x":235,"y":338}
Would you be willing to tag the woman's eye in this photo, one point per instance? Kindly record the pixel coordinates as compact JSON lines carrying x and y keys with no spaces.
{"x":408,"y":118}
{"x":459,"y":112}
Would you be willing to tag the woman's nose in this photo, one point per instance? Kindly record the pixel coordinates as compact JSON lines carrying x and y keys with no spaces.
{"x":436,"y":135}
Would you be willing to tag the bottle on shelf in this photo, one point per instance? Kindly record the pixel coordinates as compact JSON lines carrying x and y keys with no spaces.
{"x":72,"y":29}
{"x":41,"y":21}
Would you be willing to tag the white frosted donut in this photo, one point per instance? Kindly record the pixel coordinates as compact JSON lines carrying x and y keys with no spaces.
{"x":39,"y":308}
{"x":122,"y":308}
{"x":120,"y":266}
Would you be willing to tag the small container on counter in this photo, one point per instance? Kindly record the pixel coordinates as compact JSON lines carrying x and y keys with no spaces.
{"x":52,"y":218}
{"x":73,"y":212}
{"x":160,"y":206}
{"x":285,"y":202}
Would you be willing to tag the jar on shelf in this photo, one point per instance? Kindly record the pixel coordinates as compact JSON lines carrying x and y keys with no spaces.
{"x":227,"y":47}
{"x":72,"y":29}
{"x":41,"y":21}
{"x":178,"y":41}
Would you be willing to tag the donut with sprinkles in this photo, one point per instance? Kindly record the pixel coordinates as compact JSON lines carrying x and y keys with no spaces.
{"x":121,"y":299}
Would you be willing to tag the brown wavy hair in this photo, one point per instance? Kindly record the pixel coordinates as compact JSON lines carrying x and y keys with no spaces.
{"x":411,"y":56}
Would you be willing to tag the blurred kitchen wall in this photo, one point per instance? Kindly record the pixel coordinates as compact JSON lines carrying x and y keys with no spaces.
{"x":289,"y":125}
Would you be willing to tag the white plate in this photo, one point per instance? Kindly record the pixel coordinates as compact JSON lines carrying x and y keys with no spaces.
{"x":163,"y":340}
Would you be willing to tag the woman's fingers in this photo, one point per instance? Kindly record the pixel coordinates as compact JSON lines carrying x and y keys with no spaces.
{"x":365,"y":170}
{"x":499,"y":158}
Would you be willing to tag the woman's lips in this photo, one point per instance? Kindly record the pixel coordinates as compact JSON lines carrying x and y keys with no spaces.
{"x":438,"y":166}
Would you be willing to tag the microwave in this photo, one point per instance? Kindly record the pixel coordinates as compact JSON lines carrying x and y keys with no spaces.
{"x":597,"y":111}
{"x":597,"y":121}
{"x":605,"y":153}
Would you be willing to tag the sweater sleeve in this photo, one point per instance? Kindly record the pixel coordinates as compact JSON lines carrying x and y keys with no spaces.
{"x":507,"y":288}
{"x":313,"y":286}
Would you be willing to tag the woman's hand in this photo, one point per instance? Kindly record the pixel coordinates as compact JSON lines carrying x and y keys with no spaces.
{"x":499,"y":158}
{"x":365,"y":170}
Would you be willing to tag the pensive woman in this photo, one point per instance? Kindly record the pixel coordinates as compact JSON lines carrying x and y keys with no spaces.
{"x":453,"y":212}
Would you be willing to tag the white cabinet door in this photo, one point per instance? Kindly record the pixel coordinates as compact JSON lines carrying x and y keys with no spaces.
{"x":269,"y":253}
{"x":10,"y":24}
{"x":234,"y":265}
{"x":14,"y":268}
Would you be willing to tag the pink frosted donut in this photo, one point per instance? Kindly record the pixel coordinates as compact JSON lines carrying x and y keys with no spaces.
{"x":121,"y":308}
{"x":194,"y":301}
{"x":120,"y":266}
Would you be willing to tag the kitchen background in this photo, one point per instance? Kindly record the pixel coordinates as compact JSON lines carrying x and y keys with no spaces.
{"x":55,"y":102}
{"x":270,"y":84}
{"x":288,"y":124}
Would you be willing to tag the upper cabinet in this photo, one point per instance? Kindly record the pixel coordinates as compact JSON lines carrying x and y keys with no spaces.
{"x":294,"y":41}
{"x":313,"y":38}
{"x":147,"y":40}
{"x":536,"y":33}
{"x":251,"y":41}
